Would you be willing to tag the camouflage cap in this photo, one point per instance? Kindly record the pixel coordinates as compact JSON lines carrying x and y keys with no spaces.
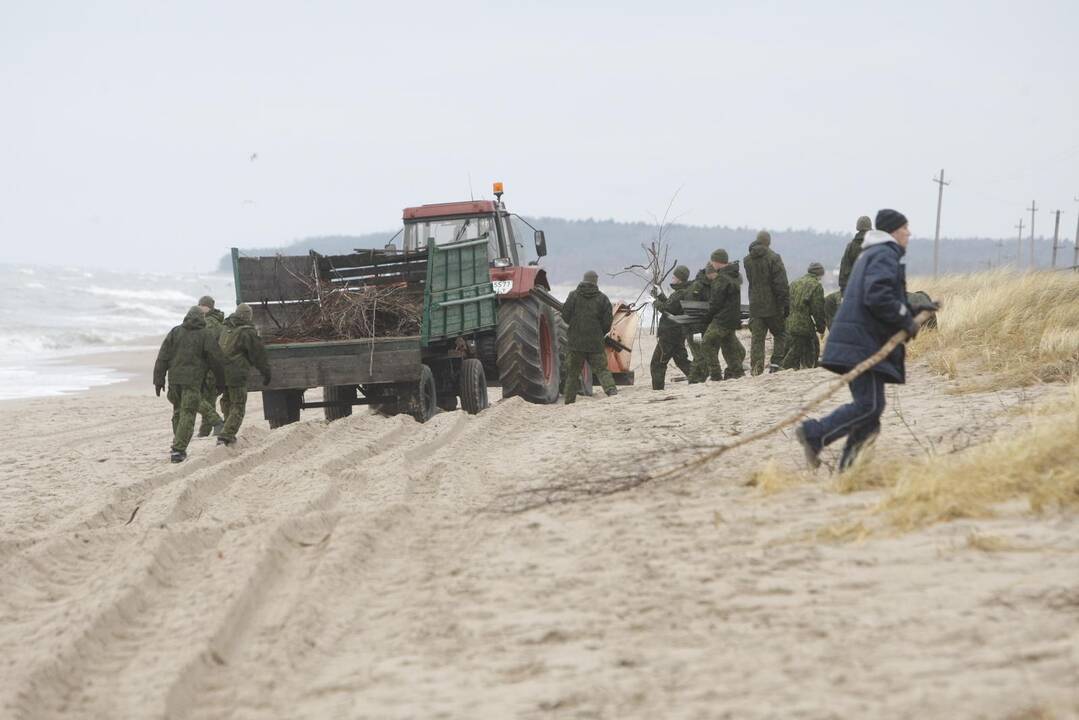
{"x":682,"y":273}
{"x":720,"y":255}
{"x":244,"y":312}
{"x":864,"y":224}
{"x":206,"y":301}
{"x":815,"y":268}
{"x":764,"y":237}
{"x":591,"y":277}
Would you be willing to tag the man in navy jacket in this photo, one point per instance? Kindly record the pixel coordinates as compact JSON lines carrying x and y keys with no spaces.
{"x":874,"y":308}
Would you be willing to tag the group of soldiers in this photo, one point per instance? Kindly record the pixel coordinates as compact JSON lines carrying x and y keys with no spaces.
{"x":796,"y":314}
{"x":206,"y":357}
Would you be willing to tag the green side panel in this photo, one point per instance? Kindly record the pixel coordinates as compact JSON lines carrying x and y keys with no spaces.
{"x":459,"y":298}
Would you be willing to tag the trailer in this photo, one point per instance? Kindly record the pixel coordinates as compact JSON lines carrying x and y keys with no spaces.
{"x":480,"y":323}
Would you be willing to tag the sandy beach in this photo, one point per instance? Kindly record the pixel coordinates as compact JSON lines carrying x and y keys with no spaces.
{"x":369,"y":568}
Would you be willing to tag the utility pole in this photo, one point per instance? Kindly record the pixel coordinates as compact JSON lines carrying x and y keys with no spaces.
{"x":1033,"y":209}
{"x":1075,"y":258}
{"x":1019,"y":246}
{"x":936,"y":238}
{"x":1056,"y":238}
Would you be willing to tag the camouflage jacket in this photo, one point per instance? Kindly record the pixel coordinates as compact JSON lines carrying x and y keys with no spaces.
{"x":854,"y":249}
{"x":671,"y":306}
{"x":588,"y":314}
{"x":725,"y":300}
{"x":187,"y":352}
{"x":807,"y":306}
{"x":831,"y":307}
{"x":768,"y":289}
{"x":243,"y":349}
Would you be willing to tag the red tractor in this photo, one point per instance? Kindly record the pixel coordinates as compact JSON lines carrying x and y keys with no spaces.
{"x":524,"y":351}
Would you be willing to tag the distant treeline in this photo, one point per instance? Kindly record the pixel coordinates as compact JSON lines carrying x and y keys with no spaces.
{"x":607,"y":246}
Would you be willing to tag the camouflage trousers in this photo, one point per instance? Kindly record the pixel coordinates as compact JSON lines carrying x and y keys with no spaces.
{"x":669,"y":348}
{"x":717,"y":339}
{"x":575,"y":360}
{"x":234,"y":405}
{"x":760,"y":327}
{"x":185,"y":401}
{"x":802,"y":352}
{"x":208,"y":406}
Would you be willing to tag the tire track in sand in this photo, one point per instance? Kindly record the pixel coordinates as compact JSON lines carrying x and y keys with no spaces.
{"x":105,"y":651}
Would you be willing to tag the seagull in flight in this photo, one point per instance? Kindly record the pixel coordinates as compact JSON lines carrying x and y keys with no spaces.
{"x":254,"y":157}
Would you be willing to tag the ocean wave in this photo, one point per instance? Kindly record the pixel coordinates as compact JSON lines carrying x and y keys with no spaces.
{"x":170,"y":295}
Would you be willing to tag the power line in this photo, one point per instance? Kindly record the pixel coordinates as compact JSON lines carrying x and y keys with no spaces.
{"x":936,"y":238}
{"x":1056,"y":238}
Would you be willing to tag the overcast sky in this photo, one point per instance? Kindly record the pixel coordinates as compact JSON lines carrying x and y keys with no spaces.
{"x":127,"y":128}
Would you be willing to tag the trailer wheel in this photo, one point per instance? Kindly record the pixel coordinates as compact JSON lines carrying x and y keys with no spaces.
{"x":584,"y":387}
{"x":528,"y":357}
{"x":447,"y":402}
{"x":473,"y":386}
{"x":424,"y":396}
{"x":281,"y":407}
{"x":338,"y":393}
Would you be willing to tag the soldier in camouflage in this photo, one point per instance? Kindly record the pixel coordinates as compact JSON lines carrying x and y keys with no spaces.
{"x":769,"y":301}
{"x":806,"y":320}
{"x":700,"y":290}
{"x":186,"y":353}
{"x":724,"y":319}
{"x":589,"y":315}
{"x":243,"y":349}
{"x":831,"y":306}
{"x":212,"y":423}
{"x":670,"y":336}
{"x":853,"y":250}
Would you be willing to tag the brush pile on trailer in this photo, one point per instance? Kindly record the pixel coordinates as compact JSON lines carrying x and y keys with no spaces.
{"x":354,"y":313}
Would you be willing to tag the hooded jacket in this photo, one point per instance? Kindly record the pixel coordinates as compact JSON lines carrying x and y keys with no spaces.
{"x":874,"y":308}
{"x":243,"y":349}
{"x":589,"y":315}
{"x":187,"y":352}
{"x":725,"y":300}
{"x":769,"y":292}
{"x":850,"y":254}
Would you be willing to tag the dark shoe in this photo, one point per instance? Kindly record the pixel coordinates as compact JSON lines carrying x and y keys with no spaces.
{"x":612,"y":391}
{"x":218,"y":427}
{"x":178,"y":456}
{"x":716,"y":378}
{"x":773,"y":368}
{"x":812,"y":454}
{"x":226,"y":442}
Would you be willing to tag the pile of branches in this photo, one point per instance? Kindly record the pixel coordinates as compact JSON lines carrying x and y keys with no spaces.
{"x":357,"y":313}
{"x":657,"y":265}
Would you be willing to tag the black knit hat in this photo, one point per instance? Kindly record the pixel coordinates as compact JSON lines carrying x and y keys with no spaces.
{"x":890,"y":220}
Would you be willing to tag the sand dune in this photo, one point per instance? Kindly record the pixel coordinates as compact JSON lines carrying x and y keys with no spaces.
{"x":362,"y":569}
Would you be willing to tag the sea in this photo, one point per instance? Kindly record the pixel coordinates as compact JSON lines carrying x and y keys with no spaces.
{"x":58,"y":324}
{"x":56,"y":321}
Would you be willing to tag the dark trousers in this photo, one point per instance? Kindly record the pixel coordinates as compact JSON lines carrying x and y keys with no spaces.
{"x":858,"y":421}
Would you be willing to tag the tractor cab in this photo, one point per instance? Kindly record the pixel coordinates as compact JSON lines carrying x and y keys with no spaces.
{"x":448,"y":223}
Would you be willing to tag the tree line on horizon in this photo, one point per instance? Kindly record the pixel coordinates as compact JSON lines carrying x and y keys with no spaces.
{"x":607,"y":246}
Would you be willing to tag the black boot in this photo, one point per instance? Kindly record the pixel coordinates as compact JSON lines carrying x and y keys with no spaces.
{"x":178,"y":456}
{"x":612,"y":391}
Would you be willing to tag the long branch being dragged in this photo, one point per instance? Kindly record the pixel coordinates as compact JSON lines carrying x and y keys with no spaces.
{"x":621,"y":479}
{"x":355,"y":314}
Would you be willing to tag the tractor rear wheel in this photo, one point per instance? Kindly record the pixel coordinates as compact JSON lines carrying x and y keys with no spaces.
{"x":473,"y":384}
{"x":528,"y":356}
{"x":337,"y":393}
